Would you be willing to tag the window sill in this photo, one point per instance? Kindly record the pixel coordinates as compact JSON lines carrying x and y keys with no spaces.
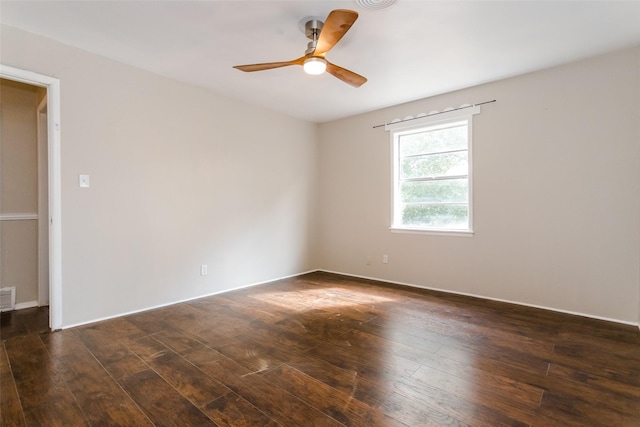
{"x":456,"y":233}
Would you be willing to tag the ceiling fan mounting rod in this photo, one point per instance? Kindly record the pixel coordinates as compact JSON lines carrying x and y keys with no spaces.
{"x":312,"y":30}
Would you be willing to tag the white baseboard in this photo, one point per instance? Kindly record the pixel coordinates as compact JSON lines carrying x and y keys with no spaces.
{"x":348,"y":275}
{"x":411,"y":285}
{"x":28,"y":304}
{"x":184,"y":300}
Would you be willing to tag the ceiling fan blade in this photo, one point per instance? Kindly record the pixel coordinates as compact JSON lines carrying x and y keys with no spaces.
{"x":269,"y":65}
{"x":336,"y":25}
{"x":349,"y":77}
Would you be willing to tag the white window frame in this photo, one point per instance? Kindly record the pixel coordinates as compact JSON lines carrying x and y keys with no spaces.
{"x":411,"y":126}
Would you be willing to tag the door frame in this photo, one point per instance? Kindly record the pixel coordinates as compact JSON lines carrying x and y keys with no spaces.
{"x":43,"y":202}
{"x":55,"y":200}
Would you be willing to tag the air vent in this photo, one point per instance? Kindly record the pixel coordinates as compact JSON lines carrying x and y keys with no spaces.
{"x":375,"y":4}
{"x":7,"y":298}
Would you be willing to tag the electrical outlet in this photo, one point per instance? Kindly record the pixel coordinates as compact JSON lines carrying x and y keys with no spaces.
{"x":203,"y":270}
{"x":84,"y":181}
{"x":385,"y":259}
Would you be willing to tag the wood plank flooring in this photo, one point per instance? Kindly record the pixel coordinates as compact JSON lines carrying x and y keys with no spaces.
{"x":323,"y":350}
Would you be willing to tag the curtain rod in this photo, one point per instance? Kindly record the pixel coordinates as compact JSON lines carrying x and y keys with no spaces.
{"x":435,"y":114}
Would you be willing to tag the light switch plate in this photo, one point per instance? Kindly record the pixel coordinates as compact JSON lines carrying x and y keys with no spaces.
{"x":83,"y":181}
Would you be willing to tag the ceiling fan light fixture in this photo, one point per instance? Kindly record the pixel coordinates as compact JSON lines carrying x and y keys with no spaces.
{"x":314,"y":66}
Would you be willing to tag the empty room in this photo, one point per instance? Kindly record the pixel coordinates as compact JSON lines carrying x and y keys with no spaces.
{"x":320,"y":213}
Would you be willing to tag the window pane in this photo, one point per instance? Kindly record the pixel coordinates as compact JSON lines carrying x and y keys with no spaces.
{"x":444,"y":191}
{"x":436,"y":165}
{"x":454,"y":217}
{"x":435,"y":141}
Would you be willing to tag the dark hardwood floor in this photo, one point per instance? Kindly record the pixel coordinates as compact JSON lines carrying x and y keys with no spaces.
{"x":324,"y":350}
{"x":24,"y":322}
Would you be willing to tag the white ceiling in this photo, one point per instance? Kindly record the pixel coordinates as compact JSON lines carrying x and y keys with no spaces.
{"x":411,"y":50}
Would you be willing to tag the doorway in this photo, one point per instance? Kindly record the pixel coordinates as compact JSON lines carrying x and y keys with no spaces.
{"x":49,"y":287}
{"x":23,"y":199}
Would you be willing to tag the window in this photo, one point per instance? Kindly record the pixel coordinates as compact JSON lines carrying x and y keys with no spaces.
{"x":432,"y":174}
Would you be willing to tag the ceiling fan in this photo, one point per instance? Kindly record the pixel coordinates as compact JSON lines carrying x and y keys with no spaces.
{"x":323,"y":37}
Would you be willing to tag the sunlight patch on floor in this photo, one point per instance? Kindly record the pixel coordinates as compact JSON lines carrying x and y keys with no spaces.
{"x":320,"y":298}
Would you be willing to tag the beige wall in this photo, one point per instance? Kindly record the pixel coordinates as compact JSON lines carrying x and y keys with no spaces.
{"x":19,"y":188}
{"x":179,"y":177}
{"x":18,"y":104}
{"x":182,"y":177}
{"x":556,"y":193}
